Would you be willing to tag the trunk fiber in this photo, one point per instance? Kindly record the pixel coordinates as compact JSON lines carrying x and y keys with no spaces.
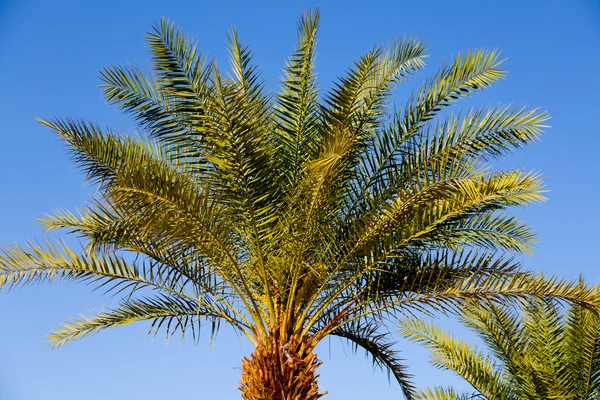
{"x":280,"y":372}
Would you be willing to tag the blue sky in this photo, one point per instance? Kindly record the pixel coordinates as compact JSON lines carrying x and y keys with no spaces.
{"x":51,"y":52}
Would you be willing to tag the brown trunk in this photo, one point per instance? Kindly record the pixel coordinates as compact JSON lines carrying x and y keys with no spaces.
{"x":280,"y":372}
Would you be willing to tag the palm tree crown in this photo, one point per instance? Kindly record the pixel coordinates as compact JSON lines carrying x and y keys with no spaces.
{"x":541,"y":354}
{"x":295,"y":216}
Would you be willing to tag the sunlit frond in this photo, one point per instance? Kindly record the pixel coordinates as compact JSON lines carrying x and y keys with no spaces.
{"x":439,"y":393}
{"x":451,"y":353}
{"x":535,"y":349}
{"x":297,"y":108}
{"x":468,"y":73}
{"x":171,"y":313}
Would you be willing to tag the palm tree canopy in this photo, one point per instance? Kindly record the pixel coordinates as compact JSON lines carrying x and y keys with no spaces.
{"x":543,"y":352}
{"x":301,"y":214}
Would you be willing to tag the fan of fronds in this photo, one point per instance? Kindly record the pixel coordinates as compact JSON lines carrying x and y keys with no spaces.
{"x":301,"y":214}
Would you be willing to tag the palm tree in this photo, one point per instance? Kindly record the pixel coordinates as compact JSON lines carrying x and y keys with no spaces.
{"x":295,"y":216}
{"x":544,"y":353}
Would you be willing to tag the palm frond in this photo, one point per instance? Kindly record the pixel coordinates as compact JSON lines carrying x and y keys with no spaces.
{"x":466,"y":75}
{"x":453,"y":354}
{"x":538,"y":351}
{"x":433,"y":290}
{"x":580,"y":362}
{"x":440,"y":393}
{"x":297,"y":108}
{"x":100,"y":154}
{"x":491,"y":230}
{"x":154,"y":111}
{"x":410,"y":219}
{"x":240,"y":129}
{"x":46,"y":261}
{"x":172,"y":313}
{"x":180,"y":68}
{"x":379,"y":347}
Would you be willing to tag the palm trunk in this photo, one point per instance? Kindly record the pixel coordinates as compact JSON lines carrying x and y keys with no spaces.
{"x":276,"y":371}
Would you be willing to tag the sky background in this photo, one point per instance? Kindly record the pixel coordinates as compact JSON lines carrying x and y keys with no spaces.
{"x":50,"y":55}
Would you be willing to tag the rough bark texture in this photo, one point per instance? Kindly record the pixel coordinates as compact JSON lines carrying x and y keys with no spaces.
{"x":280,"y":372}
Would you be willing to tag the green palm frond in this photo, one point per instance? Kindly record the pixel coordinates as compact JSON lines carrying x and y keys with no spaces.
{"x":454,"y":198}
{"x":39,"y":262}
{"x":180,"y":68}
{"x":497,"y":288}
{"x":453,"y":354}
{"x":143,"y":188}
{"x":537,"y":351}
{"x":359,"y":100}
{"x":169,"y":104}
{"x":152,"y":109}
{"x":239,"y":132}
{"x":99,"y":154}
{"x":297,"y":108}
{"x":467,"y":74}
{"x":447,"y":286}
{"x":488,"y":132}
{"x":487,"y":230}
{"x":175,"y":314}
{"x":580,"y":342}
{"x":47,"y":261}
{"x":542,"y":325}
{"x":500,"y":330}
{"x":439,"y":393}
{"x":353,"y":110}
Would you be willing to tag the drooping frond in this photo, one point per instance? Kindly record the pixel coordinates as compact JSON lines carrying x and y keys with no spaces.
{"x":498,"y":287}
{"x":446,"y":287}
{"x":380,"y":348}
{"x":171,"y":313}
{"x":46,"y":261}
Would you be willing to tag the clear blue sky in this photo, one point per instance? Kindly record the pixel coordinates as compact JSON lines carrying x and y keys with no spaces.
{"x":51,"y":52}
